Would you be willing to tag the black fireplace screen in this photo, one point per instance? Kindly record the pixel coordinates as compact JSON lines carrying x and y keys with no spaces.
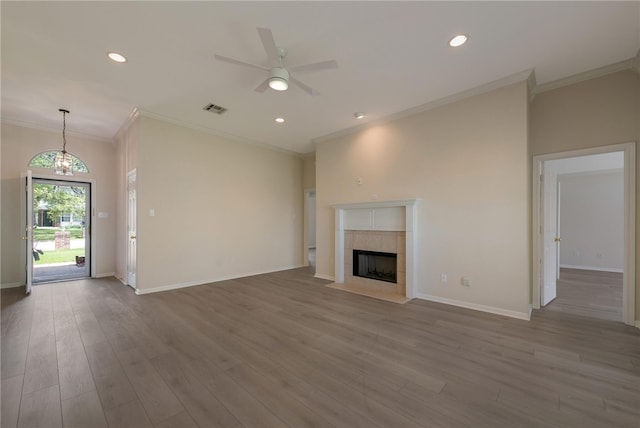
{"x":375,"y":265}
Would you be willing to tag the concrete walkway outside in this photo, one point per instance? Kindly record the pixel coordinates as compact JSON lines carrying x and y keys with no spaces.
{"x":51,"y":245}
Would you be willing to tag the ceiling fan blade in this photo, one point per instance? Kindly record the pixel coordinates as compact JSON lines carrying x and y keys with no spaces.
{"x":306,"y":88}
{"x":238,"y":62}
{"x":269,"y":45}
{"x":324,"y":65}
{"x":263,"y":86}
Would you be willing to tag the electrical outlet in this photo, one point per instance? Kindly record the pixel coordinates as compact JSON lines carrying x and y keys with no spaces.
{"x":443,"y":277}
{"x":465,"y":281}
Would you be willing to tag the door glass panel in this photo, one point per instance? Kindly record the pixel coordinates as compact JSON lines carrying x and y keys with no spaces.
{"x":61,"y":230}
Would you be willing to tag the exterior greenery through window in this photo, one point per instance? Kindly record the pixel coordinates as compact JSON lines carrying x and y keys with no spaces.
{"x":45,"y":160}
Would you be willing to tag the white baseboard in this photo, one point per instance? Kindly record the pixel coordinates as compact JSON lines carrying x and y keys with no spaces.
{"x":638,"y":323}
{"x":209,"y":281}
{"x":600,"y":269}
{"x":490,"y":309}
{"x":322,"y":276}
{"x":11,"y":285}
{"x":104,"y":275}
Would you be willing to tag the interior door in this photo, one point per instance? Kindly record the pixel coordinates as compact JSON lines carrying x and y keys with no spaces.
{"x":550,"y":229}
{"x":557,"y":238}
{"x":28,"y":230}
{"x":131,"y":229}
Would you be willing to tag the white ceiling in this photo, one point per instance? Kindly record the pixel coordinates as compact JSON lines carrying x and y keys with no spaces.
{"x":392,"y":56}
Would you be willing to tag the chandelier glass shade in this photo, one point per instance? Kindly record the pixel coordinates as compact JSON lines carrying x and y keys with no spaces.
{"x":63,"y":162}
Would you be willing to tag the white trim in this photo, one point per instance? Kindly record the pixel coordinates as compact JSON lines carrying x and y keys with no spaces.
{"x":599,"y":269}
{"x":323,"y":276}
{"x":478,"y":90}
{"x":411,"y":237}
{"x":126,"y":124}
{"x":377,"y":204}
{"x":587,"y":75}
{"x":210,"y":281}
{"x":11,"y":285}
{"x":636,"y":63}
{"x":305,"y":224}
{"x":637,"y":324}
{"x":104,"y":275}
{"x":629,"y":274}
{"x":483,"y":308}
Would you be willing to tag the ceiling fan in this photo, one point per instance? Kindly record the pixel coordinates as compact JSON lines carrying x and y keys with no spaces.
{"x":279,"y":76}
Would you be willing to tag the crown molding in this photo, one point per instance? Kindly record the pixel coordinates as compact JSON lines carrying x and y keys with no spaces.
{"x":41,"y":127}
{"x":127,"y":124}
{"x":636,"y":63}
{"x":214,"y":132}
{"x":525,"y":75}
{"x":587,"y":75}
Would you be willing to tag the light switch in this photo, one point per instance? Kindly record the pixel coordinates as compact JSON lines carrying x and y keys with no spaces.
{"x":152,"y":212}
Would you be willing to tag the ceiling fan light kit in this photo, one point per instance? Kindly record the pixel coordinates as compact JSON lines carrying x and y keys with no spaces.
{"x":279,"y":79}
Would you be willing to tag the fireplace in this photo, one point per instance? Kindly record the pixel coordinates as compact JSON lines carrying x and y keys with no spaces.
{"x":385,"y":228}
{"x":375,"y":265}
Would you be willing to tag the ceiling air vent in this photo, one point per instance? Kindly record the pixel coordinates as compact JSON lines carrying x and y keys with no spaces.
{"x":213,"y":108}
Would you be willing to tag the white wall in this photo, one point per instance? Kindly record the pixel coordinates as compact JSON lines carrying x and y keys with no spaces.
{"x":591,"y":221}
{"x":468,"y":162}
{"x":223,"y":209}
{"x":19,"y":145}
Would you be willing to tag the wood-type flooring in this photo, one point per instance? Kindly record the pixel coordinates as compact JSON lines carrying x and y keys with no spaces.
{"x":590,"y":293}
{"x":283,"y":350}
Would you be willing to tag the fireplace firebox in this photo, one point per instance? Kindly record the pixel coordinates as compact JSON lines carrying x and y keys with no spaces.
{"x":375,"y":265}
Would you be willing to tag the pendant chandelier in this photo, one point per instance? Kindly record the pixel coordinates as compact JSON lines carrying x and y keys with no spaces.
{"x":63,"y":162}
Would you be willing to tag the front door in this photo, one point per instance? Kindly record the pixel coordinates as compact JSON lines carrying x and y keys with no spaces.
{"x":28,"y":230}
{"x":61,"y":230}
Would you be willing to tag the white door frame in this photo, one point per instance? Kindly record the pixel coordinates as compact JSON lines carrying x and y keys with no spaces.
{"x":628,"y":279}
{"x":28,"y":237}
{"x":305,"y":225}
{"x":132,"y":230}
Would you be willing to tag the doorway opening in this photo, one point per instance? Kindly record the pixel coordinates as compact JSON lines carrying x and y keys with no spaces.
{"x":309,"y":249}
{"x":583,"y":220}
{"x":61,"y":230}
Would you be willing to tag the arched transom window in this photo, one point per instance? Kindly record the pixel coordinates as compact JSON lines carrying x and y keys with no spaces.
{"x":45,"y":160}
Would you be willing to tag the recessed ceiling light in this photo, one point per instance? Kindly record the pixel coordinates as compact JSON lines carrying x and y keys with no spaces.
{"x":280,"y":119}
{"x":115,"y":56}
{"x":358,"y":115}
{"x":458,"y":40}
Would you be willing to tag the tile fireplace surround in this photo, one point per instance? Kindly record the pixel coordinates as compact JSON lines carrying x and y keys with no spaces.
{"x":385,"y":226}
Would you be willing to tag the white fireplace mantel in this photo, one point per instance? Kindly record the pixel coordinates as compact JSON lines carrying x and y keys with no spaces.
{"x":400,"y":215}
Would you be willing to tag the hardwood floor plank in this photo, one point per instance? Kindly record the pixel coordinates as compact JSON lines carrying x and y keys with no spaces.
{"x":181,"y":420}
{"x":83,"y":411}
{"x":41,"y":409}
{"x":10,"y":401}
{"x":158,"y":399}
{"x":277,"y":397}
{"x":111,"y":381}
{"x":41,"y":368}
{"x":128,"y":415}
{"x":201,"y":405}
